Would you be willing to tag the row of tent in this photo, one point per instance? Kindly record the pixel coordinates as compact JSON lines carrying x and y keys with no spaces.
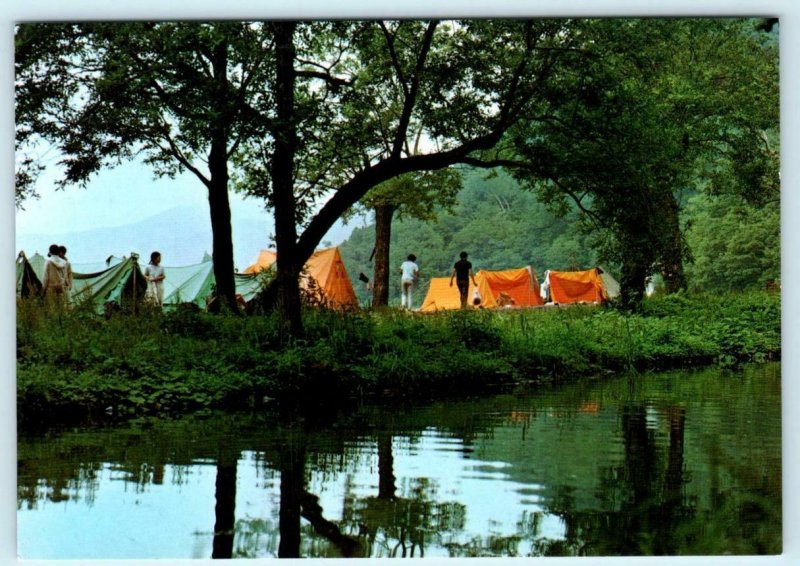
{"x":121,"y":280}
{"x":520,"y":288}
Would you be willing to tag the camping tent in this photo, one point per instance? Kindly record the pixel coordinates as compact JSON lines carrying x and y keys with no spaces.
{"x":122,"y":283}
{"x":96,"y":266}
{"x":264,"y":261}
{"x":518,"y":284}
{"x":580,"y":286}
{"x":441,"y":296}
{"x":195,"y":284}
{"x":189,"y":284}
{"x":28,"y":283}
{"x":37,"y":263}
{"x":325,"y":268}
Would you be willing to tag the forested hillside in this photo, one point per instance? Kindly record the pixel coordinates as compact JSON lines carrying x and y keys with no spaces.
{"x":734,"y":245}
{"x":499,"y":225}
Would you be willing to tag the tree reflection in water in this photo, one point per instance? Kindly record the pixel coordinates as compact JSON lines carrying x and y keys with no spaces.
{"x":395,"y":526}
{"x":666,"y":466}
{"x":225,"y":508}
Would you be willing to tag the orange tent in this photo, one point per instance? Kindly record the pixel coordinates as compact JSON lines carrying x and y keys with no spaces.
{"x":325,"y":267}
{"x":518,"y":284}
{"x":441,"y":296}
{"x":577,"y":286}
{"x":265,"y":259}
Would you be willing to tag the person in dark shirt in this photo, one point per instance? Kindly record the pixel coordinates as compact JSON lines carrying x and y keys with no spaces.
{"x":462,"y":272}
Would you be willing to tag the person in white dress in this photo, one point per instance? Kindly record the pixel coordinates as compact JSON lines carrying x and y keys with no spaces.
{"x":409,"y":271}
{"x":154,"y":274}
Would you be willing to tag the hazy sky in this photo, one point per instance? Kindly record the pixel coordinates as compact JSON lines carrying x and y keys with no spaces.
{"x":115,"y":197}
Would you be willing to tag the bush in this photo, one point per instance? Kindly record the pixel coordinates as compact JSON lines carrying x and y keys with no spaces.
{"x":77,"y":361}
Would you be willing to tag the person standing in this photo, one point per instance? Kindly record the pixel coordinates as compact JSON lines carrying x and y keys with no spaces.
{"x":55,"y":274}
{"x":62,"y":253}
{"x":154,"y":274}
{"x":462,"y":272}
{"x":409,"y":271}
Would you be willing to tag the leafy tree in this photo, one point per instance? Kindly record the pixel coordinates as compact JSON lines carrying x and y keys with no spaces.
{"x":310,"y":113}
{"x":649,"y":109}
{"x":179,"y":94}
{"x":462,"y":84}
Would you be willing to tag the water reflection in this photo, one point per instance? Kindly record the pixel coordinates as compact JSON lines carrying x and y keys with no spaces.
{"x":668,"y":464}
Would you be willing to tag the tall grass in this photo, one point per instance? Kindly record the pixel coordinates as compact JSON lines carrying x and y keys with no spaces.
{"x":74,"y":361}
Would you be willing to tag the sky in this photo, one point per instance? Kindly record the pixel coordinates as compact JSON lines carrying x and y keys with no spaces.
{"x":116,"y":197}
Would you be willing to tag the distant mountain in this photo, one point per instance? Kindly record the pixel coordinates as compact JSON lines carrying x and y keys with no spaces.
{"x":182,"y":235}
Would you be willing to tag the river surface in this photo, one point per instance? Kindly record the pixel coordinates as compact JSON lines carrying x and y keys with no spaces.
{"x":679,"y":463}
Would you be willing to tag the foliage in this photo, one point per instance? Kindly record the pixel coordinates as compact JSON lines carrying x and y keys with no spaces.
{"x":650,"y":109}
{"x":499,"y":225}
{"x":177,"y":94}
{"x":76,"y":363}
{"x":734,"y":244}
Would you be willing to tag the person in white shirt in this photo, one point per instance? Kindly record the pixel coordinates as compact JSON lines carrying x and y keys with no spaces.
{"x":154,"y":274}
{"x":409,"y":271}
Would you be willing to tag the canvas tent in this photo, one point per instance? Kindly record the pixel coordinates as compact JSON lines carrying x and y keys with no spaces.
{"x":590,"y":285}
{"x":195,"y":284}
{"x":122,"y":283}
{"x":28,"y":283}
{"x":441,"y":296}
{"x":325,"y":267}
{"x":37,"y":263}
{"x":189,"y":284}
{"x":96,"y":266}
{"x":518,"y":284}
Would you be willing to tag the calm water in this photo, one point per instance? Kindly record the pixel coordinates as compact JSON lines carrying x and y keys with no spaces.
{"x":678,"y":463}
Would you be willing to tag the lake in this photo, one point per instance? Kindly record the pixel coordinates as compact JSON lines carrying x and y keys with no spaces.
{"x":677,"y":463}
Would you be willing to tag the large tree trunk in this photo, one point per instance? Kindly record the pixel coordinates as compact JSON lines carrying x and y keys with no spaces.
{"x":383,"y":235}
{"x":632,"y":284}
{"x":674,"y":248}
{"x":638,"y":255}
{"x":219,"y":204}
{"x":285,"y":134}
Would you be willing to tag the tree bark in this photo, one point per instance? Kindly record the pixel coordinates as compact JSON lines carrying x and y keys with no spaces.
{"x":632,"y":283}
{"x":672,"y":260}
{"x":285,"y":135}
{"x":219,"y":205}
{"x":383,"y":235}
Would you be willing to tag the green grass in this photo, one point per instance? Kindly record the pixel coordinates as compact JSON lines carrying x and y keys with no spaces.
{"x":77,"y":363}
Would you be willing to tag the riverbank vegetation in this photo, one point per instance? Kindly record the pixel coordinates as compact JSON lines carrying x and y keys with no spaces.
{"x":74,"y":363}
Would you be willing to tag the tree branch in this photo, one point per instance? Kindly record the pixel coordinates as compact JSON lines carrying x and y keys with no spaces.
{"x":411,"y":95}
